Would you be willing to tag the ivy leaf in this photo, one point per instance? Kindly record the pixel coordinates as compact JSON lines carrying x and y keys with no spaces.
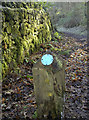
{"x":35,"y":115}
{"x":28,"y":76}
{"x":58,"y":13}
{"x":33,"y":61}
{"x":26,"y":60}
{"x":25,"y":107}
{"x":41,"y":49}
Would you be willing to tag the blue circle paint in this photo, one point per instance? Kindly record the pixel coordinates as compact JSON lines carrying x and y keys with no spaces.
{"x":47,"y":59}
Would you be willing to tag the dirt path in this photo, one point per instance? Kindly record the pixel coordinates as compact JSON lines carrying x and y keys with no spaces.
{"x":76,"y":81}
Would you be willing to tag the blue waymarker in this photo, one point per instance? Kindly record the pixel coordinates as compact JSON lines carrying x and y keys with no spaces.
{"x":47,"y":59}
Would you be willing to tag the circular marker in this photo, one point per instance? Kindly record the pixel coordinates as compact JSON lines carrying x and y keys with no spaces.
{"x":47,"y":59}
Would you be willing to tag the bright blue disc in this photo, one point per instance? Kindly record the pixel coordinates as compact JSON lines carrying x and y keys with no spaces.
{"x":47,"y":59}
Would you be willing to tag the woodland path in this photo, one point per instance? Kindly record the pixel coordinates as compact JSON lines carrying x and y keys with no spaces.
{"x":77,"y":80}
{"x":18,"y":100}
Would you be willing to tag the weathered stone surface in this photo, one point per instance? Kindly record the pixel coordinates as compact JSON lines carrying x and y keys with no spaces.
{"x":24,"y":27}
{"x":49,"y":85}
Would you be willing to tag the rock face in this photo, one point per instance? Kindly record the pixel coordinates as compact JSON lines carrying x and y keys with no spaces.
{"x":24,"y":27}
{"x":49,"y":86}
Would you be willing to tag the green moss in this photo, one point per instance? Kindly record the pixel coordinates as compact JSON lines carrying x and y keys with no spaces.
{"x":0,"y":71}
{"x":5,"y":66}
{"x":8,"y":28}
{"x":22,"y":33}
{"x":25,"y":45}
{"x":21,"y":54}
{"x":31,"y":46}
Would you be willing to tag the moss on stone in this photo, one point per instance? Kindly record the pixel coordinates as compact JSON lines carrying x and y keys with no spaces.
{"x":25,"y":26}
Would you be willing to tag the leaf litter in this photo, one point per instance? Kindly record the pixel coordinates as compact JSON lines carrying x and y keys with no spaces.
{"x":18,"y":99}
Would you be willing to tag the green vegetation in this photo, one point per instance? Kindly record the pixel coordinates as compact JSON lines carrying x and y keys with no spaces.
{"x":25,"y":26}
{"x":68,"y":14}
{"x":35,"y":115}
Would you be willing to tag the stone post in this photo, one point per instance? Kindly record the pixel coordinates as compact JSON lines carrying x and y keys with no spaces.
{"x":49,"y":85}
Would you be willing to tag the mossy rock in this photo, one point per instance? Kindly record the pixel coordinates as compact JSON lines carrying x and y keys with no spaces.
{"x":25,"y":26}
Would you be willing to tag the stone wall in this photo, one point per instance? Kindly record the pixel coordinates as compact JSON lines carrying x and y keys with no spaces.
{"x":24,"y":27}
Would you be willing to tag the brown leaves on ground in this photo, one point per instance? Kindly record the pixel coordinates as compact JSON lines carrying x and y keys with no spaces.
{"x":18,"y":98}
